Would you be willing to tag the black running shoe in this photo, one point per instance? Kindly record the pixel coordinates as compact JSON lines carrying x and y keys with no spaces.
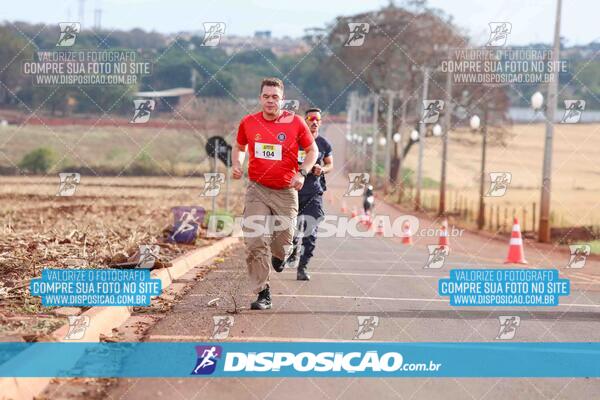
{"x":291,"y":260}
{"x":278,"y":264}
{"x":263,"y":302}
{"x":302,"y":275}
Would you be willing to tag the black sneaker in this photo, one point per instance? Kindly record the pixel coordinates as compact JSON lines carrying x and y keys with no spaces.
{"x":278,"y":264}
{"x":302,"y":275}
{"x":263,"y":302}
{"x":291,"y":260}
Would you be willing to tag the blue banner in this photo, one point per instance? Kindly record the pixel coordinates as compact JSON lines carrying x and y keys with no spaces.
{"x":333,"y":359}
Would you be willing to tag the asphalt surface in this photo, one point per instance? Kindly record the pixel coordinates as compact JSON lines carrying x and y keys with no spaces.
{"x":356,"y":277}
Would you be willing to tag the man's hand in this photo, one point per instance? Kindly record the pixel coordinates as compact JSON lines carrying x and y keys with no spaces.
{"x":298,"y":181}
{"x":237,"y":171}
{"x":317,"y":170}
{"x":237,"y":158}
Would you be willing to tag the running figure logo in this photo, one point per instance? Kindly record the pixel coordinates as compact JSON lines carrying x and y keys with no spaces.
{"x":358,"y":182}
{"x":68,"y":183}
{"x":499,"y":32}
{"x":366,"y":327}
{"x":222,"y":326}
{"x":579,"y":254}
{"x":207,"y":359}
{"x":291,"y":107}
{"x":212,"y":184}
{"x":77,"y":326}
{"x":213,"y":31}
{"x":148,"y":255}
{"x":357,"y":35}
{"x":437,"y":256}
{"x":187,"y":222}
{"x":508,"y":327}
{"x":499,"y":182}
{"x":68,"y":33}
{"x":143,"y":108}
{"x":431,"y":111}
{"x":573,"y":111}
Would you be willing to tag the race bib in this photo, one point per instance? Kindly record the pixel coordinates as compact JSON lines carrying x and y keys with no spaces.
{"x":301,"y":156}
{"x":267,"y":151}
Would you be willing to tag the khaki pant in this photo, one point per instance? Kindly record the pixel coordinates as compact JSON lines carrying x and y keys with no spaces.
{"x":262,"y":202}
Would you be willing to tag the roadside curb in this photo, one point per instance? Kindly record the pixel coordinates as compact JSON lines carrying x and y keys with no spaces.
{"x":104,"y":319}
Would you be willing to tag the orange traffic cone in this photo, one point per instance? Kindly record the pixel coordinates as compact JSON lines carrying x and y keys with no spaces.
{"x":364,"y":217}
{"x":444,"y":240}
{"x":407,"y":234}
{"x":515,"y":249}
{"x":379,"y":230}
{"x":369,"y":221}
{"x":344,"y":208}
{"x":354,"y":212}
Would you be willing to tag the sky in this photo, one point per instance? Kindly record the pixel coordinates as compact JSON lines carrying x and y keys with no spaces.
{"x":532,"y":20}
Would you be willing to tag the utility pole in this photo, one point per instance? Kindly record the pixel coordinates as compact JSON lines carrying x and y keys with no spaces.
{"x":215,"y":169}
{"x":349,"y":117}
{"x":375,"y":139}
{"x":388,"y":137}
{"x":399,"y":177}
{"x":354,"y":149}
{"x":421,"y":139}
{"x":544,"y":225}
{"x":363,"y":105}
{"x":227,"y":181}
{"x":98,"y":19}
{"x":447,"y":125}
{"x":481,"y":215}
{"x":81,"y":13}
{"x":359,"y":116}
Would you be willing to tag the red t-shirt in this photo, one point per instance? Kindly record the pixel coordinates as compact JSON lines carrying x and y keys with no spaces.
{"x":273,"y":147}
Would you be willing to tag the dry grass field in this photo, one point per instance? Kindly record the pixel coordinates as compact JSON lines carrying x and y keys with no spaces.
{"x":103,"y":222}
{"x":575,"y":178}
{"x":167,"y":151}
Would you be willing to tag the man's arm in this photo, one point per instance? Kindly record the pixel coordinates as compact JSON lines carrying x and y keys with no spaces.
{"x":239,"y":151}
{"x":312,"y":153}
{"x":325,"y":168}
{"x":327,"y":160}
{"x":327,"y":164}
{"x":238,"y":157}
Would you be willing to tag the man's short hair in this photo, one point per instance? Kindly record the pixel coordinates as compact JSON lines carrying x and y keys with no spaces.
{"x":314,"y":109}
{"x":276,"y":82}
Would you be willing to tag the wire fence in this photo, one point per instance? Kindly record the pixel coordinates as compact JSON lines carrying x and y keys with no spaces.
{"x":498,"y":218}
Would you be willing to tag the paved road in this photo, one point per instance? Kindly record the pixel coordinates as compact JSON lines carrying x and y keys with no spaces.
{"x":380,"y":277}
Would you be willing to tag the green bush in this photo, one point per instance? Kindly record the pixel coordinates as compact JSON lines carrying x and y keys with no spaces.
{"x":144,"y":165}
{"x":38,"y":161}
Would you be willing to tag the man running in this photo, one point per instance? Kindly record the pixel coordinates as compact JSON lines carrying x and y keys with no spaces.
{"x":275,"y":177}
{"x":310,"y":197}
{"x":208,"y":357}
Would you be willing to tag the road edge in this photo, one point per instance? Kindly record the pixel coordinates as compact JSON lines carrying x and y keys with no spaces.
{"x":105,"y":319}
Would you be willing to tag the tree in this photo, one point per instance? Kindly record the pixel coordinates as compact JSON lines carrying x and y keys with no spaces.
{"x":400,"y":43}
{"x":13,"y":51}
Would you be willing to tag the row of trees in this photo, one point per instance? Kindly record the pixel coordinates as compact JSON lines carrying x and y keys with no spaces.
{"x":183,"y":63}
{"x":399,"y":38}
